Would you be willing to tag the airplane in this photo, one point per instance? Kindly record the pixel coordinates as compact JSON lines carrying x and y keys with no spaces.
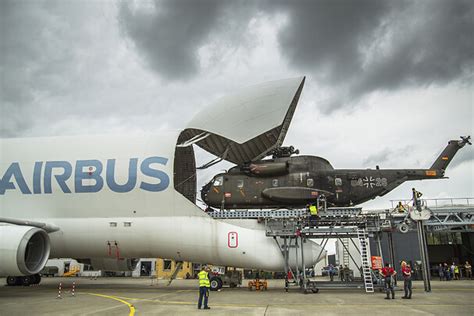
{"x":287,"y":181}
{"x":110,"y":199}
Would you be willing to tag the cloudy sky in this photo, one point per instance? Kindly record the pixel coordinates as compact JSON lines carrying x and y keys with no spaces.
{"x":387,"y":82}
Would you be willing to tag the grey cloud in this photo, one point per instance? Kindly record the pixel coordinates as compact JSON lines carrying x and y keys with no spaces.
{"x":379,"y":157}
{"x":359,"y":47}
{"x":386,"y":156}
{"x":433,"y":44}
{"x":464,"y":155}
{"x":170,"y":35}
{"x":324,"y":37}
{"x":52,"y":66}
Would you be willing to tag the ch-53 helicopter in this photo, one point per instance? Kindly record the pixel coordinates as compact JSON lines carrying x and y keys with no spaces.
{"x":287,"y":181}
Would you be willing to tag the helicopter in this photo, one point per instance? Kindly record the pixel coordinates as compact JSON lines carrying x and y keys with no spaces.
{"x":288,"y":180}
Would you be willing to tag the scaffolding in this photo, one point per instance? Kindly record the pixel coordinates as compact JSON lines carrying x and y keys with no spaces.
{"x":291,"y":228}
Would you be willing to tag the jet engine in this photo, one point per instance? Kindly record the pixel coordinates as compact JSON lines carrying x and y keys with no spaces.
{"x":113,"y":264}
{"x":24,"y":250}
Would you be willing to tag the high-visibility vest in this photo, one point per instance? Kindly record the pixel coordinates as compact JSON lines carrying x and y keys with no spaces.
{"x":313,"y":210}
{"x":204,"y":279}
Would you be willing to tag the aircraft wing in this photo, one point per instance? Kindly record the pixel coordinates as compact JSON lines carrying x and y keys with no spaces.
{"x":245,"y":126}
{"x":49,"y":228}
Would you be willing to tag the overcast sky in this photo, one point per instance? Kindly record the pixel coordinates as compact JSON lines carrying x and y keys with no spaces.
{"x":387,"y":82}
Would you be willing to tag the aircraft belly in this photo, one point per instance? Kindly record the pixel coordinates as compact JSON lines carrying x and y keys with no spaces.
{"x":188,"y":238}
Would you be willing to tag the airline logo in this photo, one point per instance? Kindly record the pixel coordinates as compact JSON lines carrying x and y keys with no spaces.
{"x":88,"y":176}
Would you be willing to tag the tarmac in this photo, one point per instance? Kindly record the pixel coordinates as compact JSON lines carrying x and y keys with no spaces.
{"x":136,"y":296}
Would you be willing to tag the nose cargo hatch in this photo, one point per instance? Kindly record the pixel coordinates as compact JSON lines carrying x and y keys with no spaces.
{"x":245,"y":126}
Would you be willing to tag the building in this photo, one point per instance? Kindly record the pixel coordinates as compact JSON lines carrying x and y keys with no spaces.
{"x":443,"y":247}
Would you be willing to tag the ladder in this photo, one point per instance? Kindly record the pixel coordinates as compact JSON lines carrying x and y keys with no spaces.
{"x":345,"y":253}
{"x":179,"y":264}
{"x":366,"y":273}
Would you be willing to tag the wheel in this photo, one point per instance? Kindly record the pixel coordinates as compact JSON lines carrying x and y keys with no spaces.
{"x":36,"y":279}
{"x":216,"y":283}
{"x":315,"y":290}
{"x":12,"y":281}
{"x":26,"y":280}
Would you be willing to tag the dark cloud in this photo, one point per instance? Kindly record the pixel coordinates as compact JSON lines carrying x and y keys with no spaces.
{"x":170,"y":34}
{"x":351,"y":47}
{"x":364,"y":46}
{"x":325,"y":36}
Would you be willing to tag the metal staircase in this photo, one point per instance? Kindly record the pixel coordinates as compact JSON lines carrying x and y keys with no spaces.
{"x":345,"y":252}
{"x":366,"y":273}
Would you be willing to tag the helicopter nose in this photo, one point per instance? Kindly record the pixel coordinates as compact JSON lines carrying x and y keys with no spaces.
{"x":204,"y":191}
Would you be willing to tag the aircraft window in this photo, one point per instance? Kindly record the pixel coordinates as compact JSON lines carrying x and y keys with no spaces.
{"x":338,"y":181}
{"x":240,"y":184}
{"x":309,"y":182}
{"x":113,"y":224}
{"x":127,"y":224}
{"x":275,"y":182}
{"x":218,"y":181}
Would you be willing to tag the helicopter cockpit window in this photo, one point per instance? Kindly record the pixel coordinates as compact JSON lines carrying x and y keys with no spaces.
{"x":338,"y":181}
{"x":240,"y":184}
{"x":218,"y":181}
{"x":275,"y":182}
{"x":309,"y":182}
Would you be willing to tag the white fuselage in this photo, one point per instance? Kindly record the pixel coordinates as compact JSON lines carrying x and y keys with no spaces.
{"x":114,"y":196}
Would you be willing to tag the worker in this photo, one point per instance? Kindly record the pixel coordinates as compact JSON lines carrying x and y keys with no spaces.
{"x":416,"y":199}
{"x":406,"y":272}
{"x":388,"y":273}
{"x":331,"y":272}
{"x":313,"y":210}
{"x":204,"y":287}
{"x":401,"y":208}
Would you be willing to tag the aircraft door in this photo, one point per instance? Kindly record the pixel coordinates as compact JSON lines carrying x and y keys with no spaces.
{"x":232,"y":240}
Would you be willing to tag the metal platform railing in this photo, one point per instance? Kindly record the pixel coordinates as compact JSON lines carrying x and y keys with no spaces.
{"x":438,"y":202}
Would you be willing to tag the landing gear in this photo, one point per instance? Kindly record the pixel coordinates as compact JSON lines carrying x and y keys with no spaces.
{"x":216,"y":283}
{"x":26,"y":280}
{"x":11,"y":280}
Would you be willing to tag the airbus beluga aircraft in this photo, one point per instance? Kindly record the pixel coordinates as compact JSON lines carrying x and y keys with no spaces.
{"x":107,"y":200}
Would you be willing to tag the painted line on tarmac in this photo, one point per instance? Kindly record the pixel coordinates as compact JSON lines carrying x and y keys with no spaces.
{"x":130,"y":306}
{"x":154,"y":298}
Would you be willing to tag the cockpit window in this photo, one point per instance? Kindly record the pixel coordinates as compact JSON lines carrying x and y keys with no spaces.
{"x":218,"y":181}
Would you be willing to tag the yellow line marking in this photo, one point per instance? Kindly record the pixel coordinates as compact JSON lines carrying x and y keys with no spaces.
{"x":130,"y":306}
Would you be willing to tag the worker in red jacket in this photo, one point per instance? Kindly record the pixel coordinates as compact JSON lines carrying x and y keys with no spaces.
{"x":388,"y":273}
{"x":406,"y":272}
